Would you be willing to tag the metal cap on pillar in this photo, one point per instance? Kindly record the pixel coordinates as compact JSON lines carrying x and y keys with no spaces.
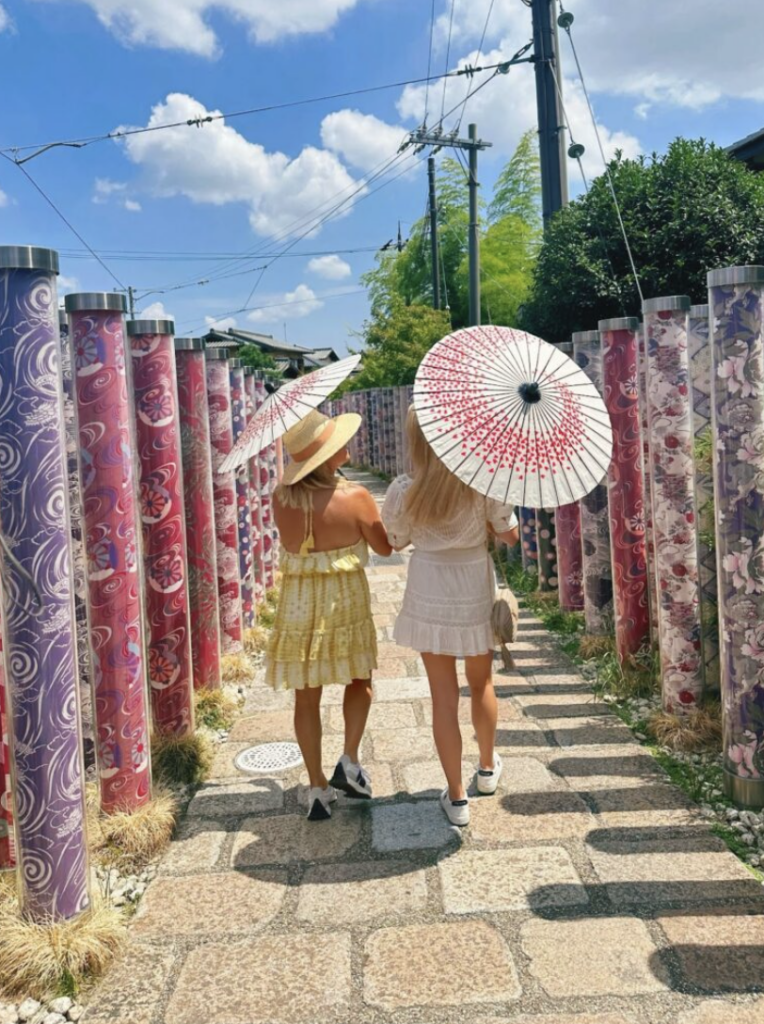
{"x":28,"y":257}
{"x":669,"y":304}
{"x":699,"y":312}
{"x":150,"y":327}
{"x":582,"y":336}
{"x":88,"y":302}
{"x":736,"y":275}
{"x":619,"y":323}
{"x":235,"y":364}
{"x":220,"y":354}
{"x":189,"y":344}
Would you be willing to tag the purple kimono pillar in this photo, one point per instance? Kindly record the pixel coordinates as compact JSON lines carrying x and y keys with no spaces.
{"x":39,"y":637}
{"x":620,"y":356}
{"x":736,"y":298}
{"x":701,"y":392}
{"x":595,"y":521}
{"x":673,"y":493}
{"x":243,"y":509}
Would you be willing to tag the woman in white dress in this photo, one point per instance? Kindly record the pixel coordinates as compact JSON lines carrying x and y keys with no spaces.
{"x":446,"y":611}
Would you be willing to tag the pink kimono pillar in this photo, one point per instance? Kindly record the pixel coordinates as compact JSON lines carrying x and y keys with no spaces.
{"x":258,"y":562}
{"x":165,"y":560}
{"x":620,"y":357}
{"x":264,"y":480}
{"x":190,"y":364}
{"x":112,"y":544}
{"x":39,"y":642}
{"x":224,"y":487}
{"x":652,"y":592}
{"x":243,"y":509}
{"x":595,"y":522}
{"x":673,"y":494}
{"x":567,"y":524}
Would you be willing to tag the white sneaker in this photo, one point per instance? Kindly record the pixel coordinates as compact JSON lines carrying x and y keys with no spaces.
{"x":352,"y":779}
{"x":457,"y":811}
{"x":319,"y":801}
{"x":487,"y":779}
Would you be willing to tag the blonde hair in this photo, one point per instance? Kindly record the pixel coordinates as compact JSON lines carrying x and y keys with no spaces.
{"x":298,"y":495}
{"x":436,"y":494}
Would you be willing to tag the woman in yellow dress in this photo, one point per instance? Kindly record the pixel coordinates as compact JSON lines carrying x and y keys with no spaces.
{"x":324,"y":633}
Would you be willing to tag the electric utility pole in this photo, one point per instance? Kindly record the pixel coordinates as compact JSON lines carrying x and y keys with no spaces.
{"x":434,"y":241}
{"x":131,"y":303}
{"x":552,"y":149}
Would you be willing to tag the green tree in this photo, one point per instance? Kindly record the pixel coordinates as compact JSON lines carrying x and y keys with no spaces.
{"x":517,"y":191}
{"x":395,"y":342}
{"x":253,"y":356}
{"x":689,"y":211}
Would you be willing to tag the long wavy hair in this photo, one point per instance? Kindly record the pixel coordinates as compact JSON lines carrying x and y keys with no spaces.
{"x":436,"y":495}
{"x":298,"y":495}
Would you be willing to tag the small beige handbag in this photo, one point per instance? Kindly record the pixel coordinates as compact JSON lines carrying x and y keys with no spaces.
{"x":505,"y":615}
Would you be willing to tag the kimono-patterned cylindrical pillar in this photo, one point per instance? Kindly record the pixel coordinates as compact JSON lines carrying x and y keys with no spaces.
{"x":258,"y":562}
{"x":243,"y":509}
{"x":224,"y":489}
{"x":108,"y":469}
{"x":652,"y":592}
{"x":39,"y":639}
{"x":620,"y":358}
{"x":528,"y":542}
{"x":673,"y":495}
{"x":264,"y":481}
{"x":595,"y":522}
{"x":736,"y":298}
{"x":199,"y":504}
{"x":699,"y":345}
{"x":79,"y":562}
{"x":165,"y":562}
{"x":546,"y":549}
{"x":7,"y":845}
{"x":570,"y":568}
{"x":273,"y":479}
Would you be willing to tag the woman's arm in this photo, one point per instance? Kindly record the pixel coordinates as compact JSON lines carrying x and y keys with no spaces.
{"x":510,"y":537}
{"x":370,"y":521}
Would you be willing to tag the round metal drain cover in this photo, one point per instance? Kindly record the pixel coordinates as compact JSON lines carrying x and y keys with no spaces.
{"x":269,"y":757}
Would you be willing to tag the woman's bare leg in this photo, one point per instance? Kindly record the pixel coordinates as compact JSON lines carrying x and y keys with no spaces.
{"x":355,"y":708}
{"x":444,"y":688}
{"x":307,"y":728}
{"x":485,"y":711}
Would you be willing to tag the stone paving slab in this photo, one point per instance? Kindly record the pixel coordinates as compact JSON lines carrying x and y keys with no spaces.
{"x":237,"y":798}
{"x":717,"y":951}
{"x":133,"y":989}
{"x":344,"y":894}
{"x":290,"y":838}
{"x":411,"y":826}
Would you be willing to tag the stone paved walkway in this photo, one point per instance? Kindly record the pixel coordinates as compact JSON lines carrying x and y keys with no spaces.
{"x":587,"y":891}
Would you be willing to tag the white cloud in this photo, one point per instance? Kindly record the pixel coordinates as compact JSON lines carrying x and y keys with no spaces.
{"x":105,"y":188}
{"x":217,"y":165}
{"x":669,"y":59}
{"x":4,"y":200}
{"x":155,"y":311}
{"x":183,"y":24}
{"x":5,"y":19}
{"x":291,"y":306}
{"x":331,"y":267}
{"x":507,"y":107}
{"x":361,"y":139}
{"x":67,"y":284}
{"x":219,"y":325}
{"x":642,"y":110}
{"x":132,"y":206}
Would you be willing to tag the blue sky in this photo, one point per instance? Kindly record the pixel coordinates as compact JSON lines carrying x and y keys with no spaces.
{"x":74,"y":68}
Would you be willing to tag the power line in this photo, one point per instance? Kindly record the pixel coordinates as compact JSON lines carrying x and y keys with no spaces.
{"x":190,"y":256}
{"x":277,"y":305}
{"x":429,"y":62}
{"x":479,"y":52}
{"x":68,"y":223}
{"x":448,"y":55}
{"x":199,"y":122}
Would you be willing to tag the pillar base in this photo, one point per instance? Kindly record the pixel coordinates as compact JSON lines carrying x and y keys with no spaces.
{"x":745,"y":793}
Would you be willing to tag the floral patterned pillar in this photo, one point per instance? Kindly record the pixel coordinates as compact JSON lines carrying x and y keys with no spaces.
{"x":736,"y":298}
{"x":243,"y":509}
{"x":7,"y":844}
{"x":652,"y":592}
{"x":271,"y":457}
{"x":165,"y":562}
{"x":264,"y":482}
{"x":78,"y":546}
{"x":673,"y":494}
{"x":224,"y":489}
{"x":528,"y":539}
{"x":39,"y":638}
{"x":595,"y":522}
{"x":699,"y":345}
{"x":198,"y":499}
{"x":109,"y":495}
{"x":567,"y":529}
{"x":620,"y":357}
{"x":546,"y":549}
{"x":258,"y":563}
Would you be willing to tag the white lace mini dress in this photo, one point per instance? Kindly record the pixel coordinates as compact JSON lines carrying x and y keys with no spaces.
{"x":451,"y":581}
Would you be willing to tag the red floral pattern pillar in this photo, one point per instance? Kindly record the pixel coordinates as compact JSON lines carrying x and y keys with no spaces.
{"x":243,"y":510}
{"x":204,"y":605}
{"x":224,"y":490}
{"x":165,"y":561}
{"x":570,"y":569}
{"x":652,"y":593}
{"x":112,"y":541}
{"x":673,"y":494}
{"x":620,"y":358}
{"x":258,"y":562}
{"x":264,"y":482}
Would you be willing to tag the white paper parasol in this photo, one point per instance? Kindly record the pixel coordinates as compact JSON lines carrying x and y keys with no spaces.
{"x":513,"y":417}
{"x":286,"y":407}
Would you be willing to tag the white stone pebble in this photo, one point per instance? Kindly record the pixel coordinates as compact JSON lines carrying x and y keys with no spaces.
{"x":75,"y":1013}
{"x":8,"y":1014}
{"x":62,"y":1005}
{"x":54,"y":1018}
{"x":28,"y":1009}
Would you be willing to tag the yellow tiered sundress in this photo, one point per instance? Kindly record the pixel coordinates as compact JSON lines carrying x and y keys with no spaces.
{"x":324,"y":632}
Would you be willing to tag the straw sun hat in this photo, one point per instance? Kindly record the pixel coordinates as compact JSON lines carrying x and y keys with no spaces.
{"x":315,"y":439}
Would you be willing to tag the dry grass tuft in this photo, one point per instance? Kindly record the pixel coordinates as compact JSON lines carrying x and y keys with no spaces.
{"x":215,"y":709}
{"x":595,"y":646}
{"x":255,"y":639}
{"x":40,"y":959}
{"x":131,"y":839}
{"x":181,"y":760}
{"x":236,"y":668}
{"x":547,"y":597}
{"x":8,"y":889}
{"x":701,"y":729}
